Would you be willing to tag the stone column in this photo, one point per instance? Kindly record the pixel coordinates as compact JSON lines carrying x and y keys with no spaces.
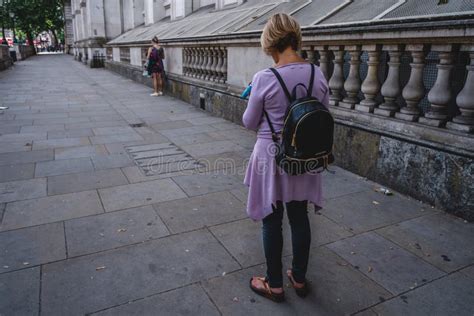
{"x":391,"y":88}
{"x":440,"y":95}
{"x":352,"y":84}
{"x":336,"y":83}
{"x":465,"y":99}
{"x":95,"y":11}
{"x":154,"y":11}
{"x":324,"y":60}
{"x":414,"y":90}
{"x":371,"y":85}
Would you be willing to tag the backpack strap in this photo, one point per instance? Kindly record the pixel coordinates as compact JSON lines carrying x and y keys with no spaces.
{"x":311,"y":81}
{"x":282,"y":83}
{"x":274,"y":134}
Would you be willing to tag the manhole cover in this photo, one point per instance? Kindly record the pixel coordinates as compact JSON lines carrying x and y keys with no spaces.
{"x":158,"y":159}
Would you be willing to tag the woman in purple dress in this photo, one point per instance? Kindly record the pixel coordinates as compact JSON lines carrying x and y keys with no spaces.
{"x":270,"y":189}
{"x":155,"y":66}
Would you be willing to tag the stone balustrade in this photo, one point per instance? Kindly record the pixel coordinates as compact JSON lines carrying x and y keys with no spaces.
{"x":208,"y":63}
{"x":396,"y":78}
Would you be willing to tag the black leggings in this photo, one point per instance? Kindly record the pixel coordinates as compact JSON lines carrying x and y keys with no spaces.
{"x":273,"y":241}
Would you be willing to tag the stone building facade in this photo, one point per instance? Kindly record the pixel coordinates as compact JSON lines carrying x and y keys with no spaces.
{"x":401,"y":74}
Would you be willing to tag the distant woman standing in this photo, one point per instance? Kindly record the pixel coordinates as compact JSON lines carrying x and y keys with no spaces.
{"x":155,"y":67}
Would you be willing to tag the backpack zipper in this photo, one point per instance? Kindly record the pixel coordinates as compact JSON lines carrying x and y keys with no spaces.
{"x":293,"y":140}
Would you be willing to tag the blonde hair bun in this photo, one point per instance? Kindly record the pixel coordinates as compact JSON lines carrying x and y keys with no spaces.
{"x":280,"y":32}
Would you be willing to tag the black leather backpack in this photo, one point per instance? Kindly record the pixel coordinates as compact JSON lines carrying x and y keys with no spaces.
{"x":307,"y":135}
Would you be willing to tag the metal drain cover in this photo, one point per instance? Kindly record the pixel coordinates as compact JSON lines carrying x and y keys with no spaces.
{"x":156,"y":159}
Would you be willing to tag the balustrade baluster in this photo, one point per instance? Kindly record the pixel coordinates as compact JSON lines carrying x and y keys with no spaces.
{"x":224,"y":65}
{"x":205,"y":62}
{"x":219,"y":65}
{"x":353,"y":82}
{"x":441,"y":93}
{"x":391,"y":88}
{"x":185,"y":61}
{"x":201,"y":63}
{"x":371,"y":85}
{"x":414,"y":90}
{"x":465,"y":99}
{"x":324,"y":60}
{"x":193,"y":62}
{"x":213,"y":64}
{"x":336,"y":83}
{"x":311,"y":55}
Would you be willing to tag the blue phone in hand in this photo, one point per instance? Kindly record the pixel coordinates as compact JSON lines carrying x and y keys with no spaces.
{"x":246,"y":92}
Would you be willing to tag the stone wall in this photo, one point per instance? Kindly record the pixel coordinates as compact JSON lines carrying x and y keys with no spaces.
{"x":430,"y":172}
{"x":5,"y":59}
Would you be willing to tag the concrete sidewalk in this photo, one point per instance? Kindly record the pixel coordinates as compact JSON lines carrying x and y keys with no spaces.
{"x":114,"y":203}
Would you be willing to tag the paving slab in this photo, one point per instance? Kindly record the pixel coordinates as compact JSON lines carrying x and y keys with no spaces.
{"x":27,"y":247}
{"x":85,"y":181}
{"x":23,"y":137}
{"x":70,"y":133}
{"x":138,"y":194}
{"x":112,"y":161}
{"x":203,"y":183}
{"x":63,"y":166}
{"x":340,"y":184}
{"x":201,"y":211}
{"x":106,"y":231}
{"x":113,"y":130}
{"x":233,"y":162}
{"x":134,"y":174}
{"x":186,"y":130}
{"x":107,"y":139}
{"x":50,"y":209}
{"x":70,"y":126}
{"x":129,"y":273}
{"x":329,"y":276}
{"x":436,"y":239}
{"x":196,"y":303}
{"x":211,"y":148}
{"x":368,"y":210}
{"x":386,"y":263}
{"x":26,"y":157}
{"x":13,"y":129}
{"x":19,"y":291}
{"x":170,"y":125}
{"x":469,"y":271}
{"x":60,"y":142}
{"x":11,"y":147}
{"x":22,"y":190}
{"x":80,"y":151}
{"x":182,"y":140}
{"x":42,"y":128}
{"x":17,"y":172}
{"x":243,"y":239}
{"x":451,"y":295}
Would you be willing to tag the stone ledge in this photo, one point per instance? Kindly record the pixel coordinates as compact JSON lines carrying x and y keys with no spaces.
{"x":437,"y":138}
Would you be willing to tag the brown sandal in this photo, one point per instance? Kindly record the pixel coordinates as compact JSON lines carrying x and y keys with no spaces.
{"x":267,"y":292}
{"x":300,"y":291}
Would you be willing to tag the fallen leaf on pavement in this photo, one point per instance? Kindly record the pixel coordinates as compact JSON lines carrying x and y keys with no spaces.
{"x":370,"y":269}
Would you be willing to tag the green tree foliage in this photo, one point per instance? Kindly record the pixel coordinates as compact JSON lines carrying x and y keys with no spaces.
{"x":34,"y":16}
